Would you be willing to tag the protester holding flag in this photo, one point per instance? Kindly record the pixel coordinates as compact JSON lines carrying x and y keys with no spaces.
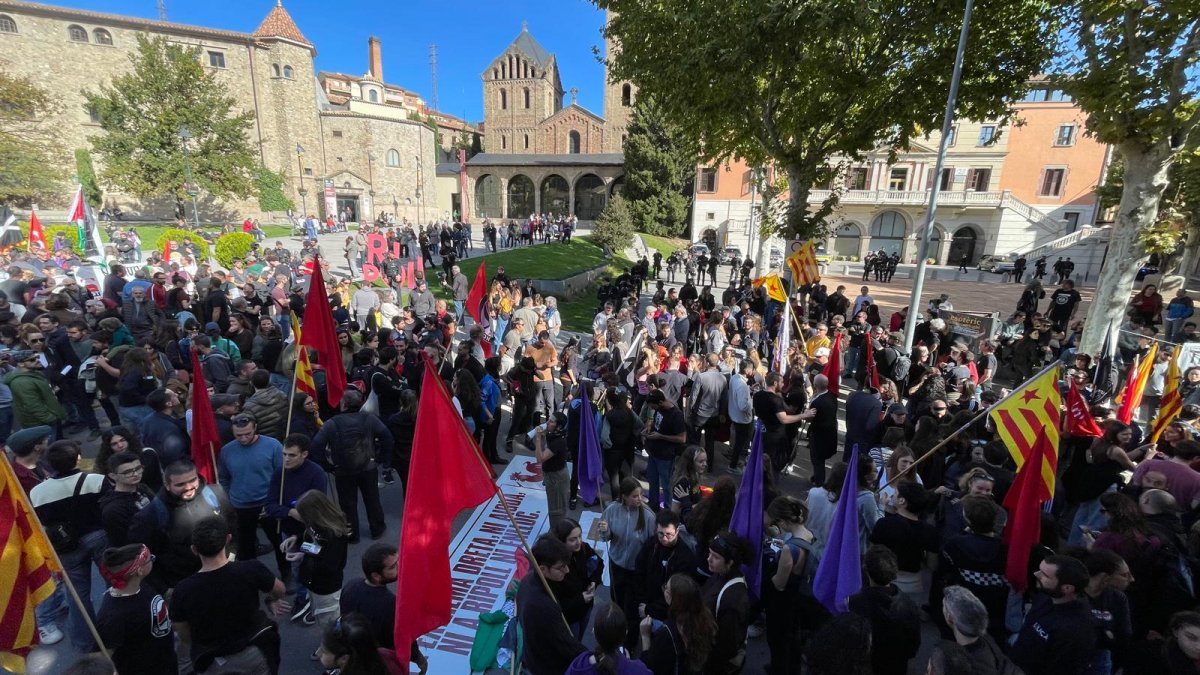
{"x":1097,"y":473}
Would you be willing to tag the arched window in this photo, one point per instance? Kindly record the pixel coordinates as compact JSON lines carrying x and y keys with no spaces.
{"x":504,"y":99}
{"x":533,"y":72}
{"x":372,"y":96}
{"x":487,"y":196}
{"x":887,"y":232}
{"x":520,"y":197}
{"x":77,"y":34}
{"x":590,"y":196}
{"x":626,"y":95}
{"x":393,"y":158}
{"x":275,"y":69}
{"x":287,"y":72}
{"x":555,"y":192}
{"x":495,"y":73}
{"x":7,"y":25}
{"x":527,"y":98}
{"x":573,"y":143}
{"x":503,"y":70}
{"x":102,"y":36}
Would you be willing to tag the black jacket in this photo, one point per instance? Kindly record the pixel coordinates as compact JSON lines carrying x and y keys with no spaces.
{"x":895,"y":627}
{"x":117,"y":510}
{"x":655,"y":564}
{"x":555,"y":646}
{"x":341,"y":432}
{"x":166,"y":525}
{"x":167,"y":436}
{"x":1055,"y":639}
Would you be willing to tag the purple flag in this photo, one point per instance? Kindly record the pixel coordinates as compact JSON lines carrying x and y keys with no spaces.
{"x":590,"y":462}
{"x":747,"y":517}
{"x":839,"y":574}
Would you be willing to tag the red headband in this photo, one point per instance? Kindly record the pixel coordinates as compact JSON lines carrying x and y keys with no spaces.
{"x":119,"y":578}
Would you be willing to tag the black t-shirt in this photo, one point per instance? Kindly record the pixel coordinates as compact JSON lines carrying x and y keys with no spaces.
{"x":137,"y":630}
{"x":221,"y":606}
{"x":557,"y":445}
{"x":668,"y":422}
{"x":767,"y":406}
{"x":377,"y":604}
{"x":1062,"y":302}
{"x":217,"y":300}
{"x":908,"y":539}
{"x":985,"y":363}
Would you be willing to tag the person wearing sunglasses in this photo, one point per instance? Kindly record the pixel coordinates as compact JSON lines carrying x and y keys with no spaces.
{"x":34,"y":401}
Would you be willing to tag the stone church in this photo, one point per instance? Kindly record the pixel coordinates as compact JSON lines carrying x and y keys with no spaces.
{"x":342,"y":141}
{"x":541,"y":156}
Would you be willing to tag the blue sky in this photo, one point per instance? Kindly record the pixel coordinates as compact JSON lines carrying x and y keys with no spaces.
{"x":469,"y":34}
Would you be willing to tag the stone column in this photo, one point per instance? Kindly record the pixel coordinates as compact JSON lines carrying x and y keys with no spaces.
{"x":537,"y":193}
{"x":571,"y":198}
{"x":503,"y":196}
{"x":864,"y":245}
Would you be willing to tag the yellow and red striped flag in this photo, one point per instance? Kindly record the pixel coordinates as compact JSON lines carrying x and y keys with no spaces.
{"x":774,"y":286}
{"x":1135,"y":385}
{"x":1030,"y":413}
{"x":803,"y":264}
{"x":26,"y":565}
{"x":1172,"y":402}
{"x":304,"y":376}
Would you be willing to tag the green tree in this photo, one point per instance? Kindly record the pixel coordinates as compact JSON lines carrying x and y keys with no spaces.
{"x":31,"y":159}
{"x":142,"y":113}
{"x":86,"y":173}
{"x":1134,"y":72}
{"x":1175,"y":236}
{"x":660,"y":165}
{"x":271,"y":196}
{"x":801,"y":83}
{"x":614,"y":227}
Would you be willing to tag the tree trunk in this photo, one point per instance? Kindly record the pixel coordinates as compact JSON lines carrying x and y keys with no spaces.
{"x":1187,"y":257}
{"x":1145,"y":180}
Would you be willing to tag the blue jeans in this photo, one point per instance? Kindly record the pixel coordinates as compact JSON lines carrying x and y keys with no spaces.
{"x":78,"y":566}
{"x":1088,"y":516}
{"x":134,"y":416}
{"x":658,"y":472}
{"x":458,"y":310}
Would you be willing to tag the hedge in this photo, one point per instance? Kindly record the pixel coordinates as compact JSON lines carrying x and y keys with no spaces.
{"x":71,"y":232}
{"x":176,"y":234}
{"x":233,"y":246}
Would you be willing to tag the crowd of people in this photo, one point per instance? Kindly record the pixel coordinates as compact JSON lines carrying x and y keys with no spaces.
{"x":674,"y":377}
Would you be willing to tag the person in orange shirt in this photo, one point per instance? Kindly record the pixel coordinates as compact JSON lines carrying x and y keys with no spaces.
{"x":545,"y":358}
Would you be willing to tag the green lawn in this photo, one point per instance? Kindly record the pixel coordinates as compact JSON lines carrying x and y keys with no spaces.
{"x":664,"y":245}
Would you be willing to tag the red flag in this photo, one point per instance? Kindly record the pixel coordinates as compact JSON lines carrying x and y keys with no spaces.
{"x":321,"y":336}
{"x":167,"y":251}
{"x":409,"y":278}
{"x":447,"y":474}
{"x":206,"y":441}
{"x":1135,"y":384}
{"x":36,"y":234}
{"x":75,"y":212}
{"x":478,"y":292}
{"x":1024,"y":504}
{"x":421,"y":264}
{"x":1079,"y":417}
{"x":833,"y":369}
{"x":872,"y":369}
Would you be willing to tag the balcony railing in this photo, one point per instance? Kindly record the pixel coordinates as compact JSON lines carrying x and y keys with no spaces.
{"x":914,"y":197}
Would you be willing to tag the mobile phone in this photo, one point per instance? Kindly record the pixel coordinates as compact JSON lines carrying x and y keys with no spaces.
{"x":311,"y":548}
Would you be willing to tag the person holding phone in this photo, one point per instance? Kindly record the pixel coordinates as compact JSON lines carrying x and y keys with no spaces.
{"x":321,"y":551}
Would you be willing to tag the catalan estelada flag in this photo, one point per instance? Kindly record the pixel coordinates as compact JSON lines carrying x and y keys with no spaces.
{"x":26,"y":565}
{"x":304,"y":376}
{"x":803,"y":264}
{"x":1172,"y":402}
{"x":774,"y":286}
{"x":1029,"y":414}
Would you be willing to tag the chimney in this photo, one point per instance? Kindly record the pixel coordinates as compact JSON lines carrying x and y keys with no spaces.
{"x":375,"y":59}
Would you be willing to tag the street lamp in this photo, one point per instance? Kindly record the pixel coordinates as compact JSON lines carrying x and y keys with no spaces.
{"x":371,"y":181}
{"x":189,"y":186}
{"x":300,"y":173}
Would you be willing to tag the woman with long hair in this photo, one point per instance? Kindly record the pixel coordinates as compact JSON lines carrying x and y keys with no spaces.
{"x":626,"y":524}
{"x":470,"y":400}
{"x":726,"y":595}
{"x":1094,"y":472}
{"x":926,"y":436}
{"x":598,"y":359}
{"x":619,"y":434}
{"x":685,"y":479}
{"x":1176,"y":432}
{"x":682,"y":644}
{"x":122,"y":439}
{"x":304,"y":415}
{"x":322,"y":551}
{"x":403,"y":425}
{"x":348,"y":647}
{"x":576,"y":593}
{"x":713,"y":512}
{"x":610,"y":629}
{"x":1147,"y":305}
{"x":898,"y":464}
{"x":787,"y":581}
{"x":135,"y":381}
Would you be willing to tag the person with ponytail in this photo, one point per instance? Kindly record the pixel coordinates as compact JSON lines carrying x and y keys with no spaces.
{"x":577,"y":591}
{"x":610,"y":629}
{"x":726,"y":595}
{"x":349,"y":648}
{"x":680,"y":645}
{"x":322,"y":551}
{"x":625,"y":525}
{"x":133,"y":620}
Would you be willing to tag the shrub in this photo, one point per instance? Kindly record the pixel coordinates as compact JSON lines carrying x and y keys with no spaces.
{"x":177,"y":235}
{"x":71,"y":232}
{"x":271,"y":196}
{"x":233,"y":246}
{"x":614,"y":227}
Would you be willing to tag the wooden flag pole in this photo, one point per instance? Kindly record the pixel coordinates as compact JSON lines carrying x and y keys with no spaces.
{"x":927,"y":455}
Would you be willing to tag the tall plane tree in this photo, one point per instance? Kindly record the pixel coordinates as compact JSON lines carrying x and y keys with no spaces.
{"x":799,"y":82}
{"x":141,"y":114}
{"x":660,"y":165}
{"x":32,"y":161}
{"x":1134,"y":72}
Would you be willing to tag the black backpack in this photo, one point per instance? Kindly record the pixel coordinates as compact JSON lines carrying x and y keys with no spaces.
{"x":357,"y":445}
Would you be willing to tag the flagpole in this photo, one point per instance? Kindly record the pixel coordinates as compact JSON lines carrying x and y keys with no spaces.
{"x":963,"y":428}
{"x":288,"y":429}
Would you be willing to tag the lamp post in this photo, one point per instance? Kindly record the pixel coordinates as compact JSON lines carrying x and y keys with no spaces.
{"x":189,"y":186}
{"x":371,"y":182}
{"x":302,"y":191}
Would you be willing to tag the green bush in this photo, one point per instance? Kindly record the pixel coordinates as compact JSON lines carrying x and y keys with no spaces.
{"x":271,"y":196}
{"x":70,"y":231}
{"x":177,"y":235}
{"x":614,"y":227}
{"x":233,"y":246}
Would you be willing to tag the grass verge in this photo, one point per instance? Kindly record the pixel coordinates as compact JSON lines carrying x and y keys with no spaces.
{"x":664,"y":245}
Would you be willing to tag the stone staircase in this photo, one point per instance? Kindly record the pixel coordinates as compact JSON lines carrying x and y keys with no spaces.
{"x":1057,"y":246}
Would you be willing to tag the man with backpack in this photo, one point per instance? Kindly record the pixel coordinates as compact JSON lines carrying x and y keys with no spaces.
{"x":351,"y":445}
{"x":891,"y":360}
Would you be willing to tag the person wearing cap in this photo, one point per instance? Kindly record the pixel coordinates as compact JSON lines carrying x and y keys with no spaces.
{"x":245,"y":467}
{"x":34,"y":401}
{"x":223,"y":344}
{"x":27,"y":446}
{"x":897,"y":416}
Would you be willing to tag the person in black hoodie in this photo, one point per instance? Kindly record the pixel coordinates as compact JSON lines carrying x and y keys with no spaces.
{"x":403,"y":425}
{"x":554,"y":647}
{"x":125,"y":498}
{"x":322,"y":552}
{"x":658,"y":559}
{"x":577,"y":591}
{"x":895,"y":620}
{"x":726,"y":595}
{"x":976,"y":560}
{"x":968,"y":621}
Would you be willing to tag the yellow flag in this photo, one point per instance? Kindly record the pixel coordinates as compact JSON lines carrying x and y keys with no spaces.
{"x":774,"y":286}
{"x":1172,"y":402}
{"x":1029,"y":413}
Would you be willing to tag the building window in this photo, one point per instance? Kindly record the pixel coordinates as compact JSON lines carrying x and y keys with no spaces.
{"x":393,"y":158}
{"x":626,"y":95}
{"x":857,"y":180}
{"x":978,"y":180}
{"x":77,"y":34}
{"x":102,"y":36}
{"x":987,"y":134}
{"x":503,"y":142}
{"x":1035,"y":96}
{"x":1065,"y":135}
{"x":1052,"y":182}
{"x":337,"y":134}
{"x":373,"y":96}
{"x":947,"y":180}
{"x":952,"y":137}
{"x":495,"y":74}
{"x":1072,"y":218}
{"x":528,"y":98}
{"x":532,"y":72}
{"x":1059,"y":95}
{"x":216,"y":59}
{"x":504,"y":99}
{"x":275,"y":69}
{"x":308,"y":171}
{"x":287,"y":72}
{"x":93,"y":115}
{"x":710,"y":215}
{"x":526,"y":141}
{"x":707,"y":180}
{"x":7,"y":25}
{"x":573,"y":143}
{"x":898,"y":180}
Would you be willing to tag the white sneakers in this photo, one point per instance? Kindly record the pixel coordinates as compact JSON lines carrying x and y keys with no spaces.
{"x":49,"y":635}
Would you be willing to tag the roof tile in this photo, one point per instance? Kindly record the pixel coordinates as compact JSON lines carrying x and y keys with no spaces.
{"x":280,"y":24}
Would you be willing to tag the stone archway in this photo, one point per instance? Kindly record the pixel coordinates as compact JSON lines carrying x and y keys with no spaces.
{"x":964,"y":242}
{"x":487,"y":196}
{"x":888,"y":230}
{"x":521,"y":198}
{"x":590,"y":196}
{"x":556,"y":194}
{"x":846,"y":240}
